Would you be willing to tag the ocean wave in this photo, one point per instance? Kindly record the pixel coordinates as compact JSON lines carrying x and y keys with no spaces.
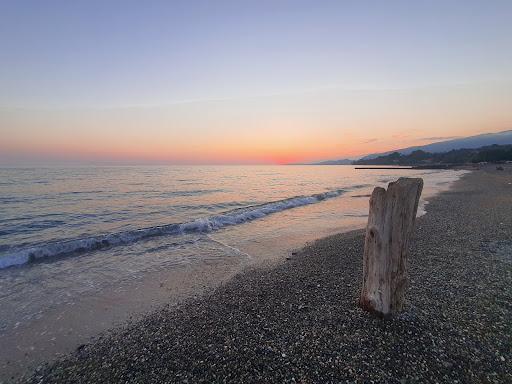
{"x":22,"y":256}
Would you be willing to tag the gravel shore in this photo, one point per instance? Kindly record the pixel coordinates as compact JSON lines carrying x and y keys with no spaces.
{"x":298,"y":321}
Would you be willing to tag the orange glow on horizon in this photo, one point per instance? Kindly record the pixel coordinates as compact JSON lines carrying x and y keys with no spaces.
{"x":216,"y":153}
{"x":275,"y":130}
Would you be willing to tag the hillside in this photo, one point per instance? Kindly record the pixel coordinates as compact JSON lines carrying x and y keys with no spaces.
{"x":470,"y":142}
{"x":490,"y":153}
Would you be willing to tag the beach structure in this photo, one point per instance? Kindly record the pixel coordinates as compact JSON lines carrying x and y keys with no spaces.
{"x":388,"y":232}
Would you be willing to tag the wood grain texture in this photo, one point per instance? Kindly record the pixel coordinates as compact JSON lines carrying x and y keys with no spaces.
{"x":390,"y":225}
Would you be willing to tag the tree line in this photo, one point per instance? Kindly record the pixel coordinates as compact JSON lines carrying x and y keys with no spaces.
{"x":491,"y":153}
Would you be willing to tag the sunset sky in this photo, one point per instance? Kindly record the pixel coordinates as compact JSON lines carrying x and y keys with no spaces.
{"x":215,"y":82}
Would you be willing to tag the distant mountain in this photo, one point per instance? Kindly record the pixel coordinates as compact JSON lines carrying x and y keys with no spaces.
{"x":490,"y":153}
{"x":471,"y":142}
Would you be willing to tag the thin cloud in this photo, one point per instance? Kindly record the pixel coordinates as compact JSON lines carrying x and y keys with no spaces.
{"x":437,"y":138}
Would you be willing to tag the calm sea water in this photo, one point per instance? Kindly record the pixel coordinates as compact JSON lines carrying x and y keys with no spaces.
{"x":69,"y":232}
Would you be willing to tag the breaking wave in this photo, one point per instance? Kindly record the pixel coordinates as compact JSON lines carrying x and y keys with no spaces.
{"x":20,"y":256}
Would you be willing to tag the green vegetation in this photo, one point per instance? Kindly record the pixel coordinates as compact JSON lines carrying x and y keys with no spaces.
{"x":491,"y":153}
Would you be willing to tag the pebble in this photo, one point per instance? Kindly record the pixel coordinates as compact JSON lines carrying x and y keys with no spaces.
{"x":456,"y":326}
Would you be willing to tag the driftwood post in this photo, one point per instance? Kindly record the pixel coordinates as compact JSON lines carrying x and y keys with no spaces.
{"x":390,"y":225}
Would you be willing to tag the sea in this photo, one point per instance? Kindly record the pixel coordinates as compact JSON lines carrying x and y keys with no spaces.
{"x":91,"y":244}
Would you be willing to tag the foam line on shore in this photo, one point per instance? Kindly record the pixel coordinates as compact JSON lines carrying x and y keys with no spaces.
{"x":21,"y":256}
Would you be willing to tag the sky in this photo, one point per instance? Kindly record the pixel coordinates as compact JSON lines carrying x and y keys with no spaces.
{"x":237,"y":82}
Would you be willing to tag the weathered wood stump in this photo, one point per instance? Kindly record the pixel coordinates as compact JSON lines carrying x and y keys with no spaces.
{"x":390,"y":225}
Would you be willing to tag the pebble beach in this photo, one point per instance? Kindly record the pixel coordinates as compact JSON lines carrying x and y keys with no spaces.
{"x":298,"y":321}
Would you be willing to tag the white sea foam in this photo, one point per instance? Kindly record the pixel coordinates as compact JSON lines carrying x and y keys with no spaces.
{"x":20,"y":256}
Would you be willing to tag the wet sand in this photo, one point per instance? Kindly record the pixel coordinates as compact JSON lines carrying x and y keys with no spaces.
{"x":63,"y":328}
{"x":298,"y":321}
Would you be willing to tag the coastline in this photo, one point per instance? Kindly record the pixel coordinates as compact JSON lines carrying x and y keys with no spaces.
{"x":42,"y":322}
{"x":298,"y":319}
